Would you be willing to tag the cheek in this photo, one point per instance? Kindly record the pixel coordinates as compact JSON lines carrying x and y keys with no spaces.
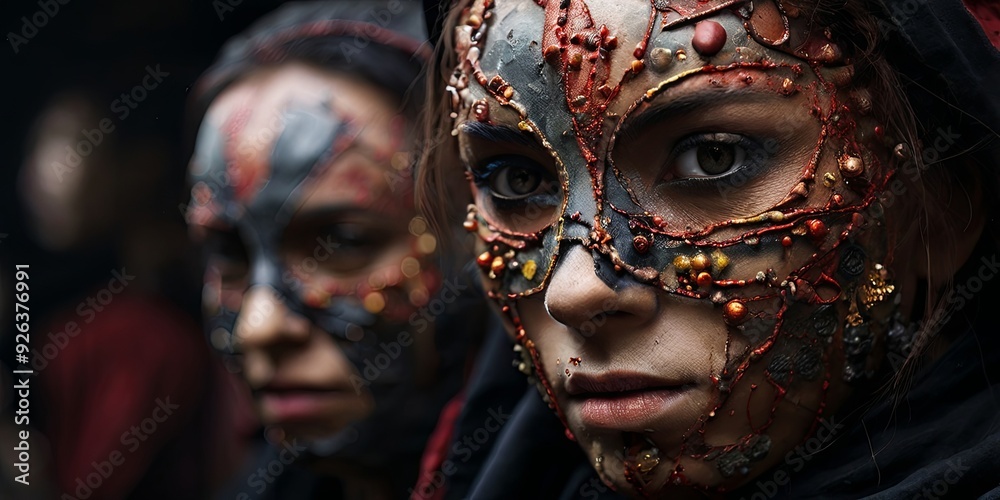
{"x":557,"y":347}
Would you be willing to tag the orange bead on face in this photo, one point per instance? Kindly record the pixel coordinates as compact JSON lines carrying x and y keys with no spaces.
{"x":735,"y":311}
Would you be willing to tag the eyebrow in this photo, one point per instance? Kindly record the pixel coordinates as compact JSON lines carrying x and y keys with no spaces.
{"x":498,"y":133}
{"x":659,"y":113}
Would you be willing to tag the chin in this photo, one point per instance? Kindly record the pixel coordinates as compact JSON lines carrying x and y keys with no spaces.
{"x":699,"y":480}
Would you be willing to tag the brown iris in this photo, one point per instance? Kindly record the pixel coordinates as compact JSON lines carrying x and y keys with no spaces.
{"x":716,"y":158}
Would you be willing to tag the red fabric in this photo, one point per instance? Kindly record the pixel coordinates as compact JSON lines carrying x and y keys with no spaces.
{"x":437,"y":449}
{"x":108,"y":378}
{"x":987,"y":12}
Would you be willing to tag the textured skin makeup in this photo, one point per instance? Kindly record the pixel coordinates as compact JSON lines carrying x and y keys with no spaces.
{"x":256,"y":196}
{"x":798,"y":277}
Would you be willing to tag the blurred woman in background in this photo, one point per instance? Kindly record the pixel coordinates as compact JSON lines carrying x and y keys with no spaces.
{"x":321,"y":279}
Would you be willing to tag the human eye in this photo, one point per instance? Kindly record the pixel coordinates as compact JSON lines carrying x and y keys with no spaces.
{"x":352,"y":236}
{"x":714,"y":156}
{"x":512,"y":181}
{"x":340,"y":243}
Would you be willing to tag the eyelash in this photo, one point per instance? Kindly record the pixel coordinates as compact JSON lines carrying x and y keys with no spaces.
{"x":756,"y":157}
{"x":483,"y":172}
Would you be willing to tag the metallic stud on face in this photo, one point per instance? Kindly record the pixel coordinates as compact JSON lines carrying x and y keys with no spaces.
{"x":704,"y":279}
{"x":901,"y":151}
{"x":700,"y":262}
{"x":682,"y":263}
{"x":641,"y":244}
{"x":660,"y":59}
{"x":817,"y":229}
{"x":484,"y":259}
{"x":850,"y":166}
{"x":481,"y":110}
{"x":735,"y":311}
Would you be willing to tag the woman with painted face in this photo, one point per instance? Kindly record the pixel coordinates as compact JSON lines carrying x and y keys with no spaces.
{"x":744,"y":248}
{"x":322,"y":280}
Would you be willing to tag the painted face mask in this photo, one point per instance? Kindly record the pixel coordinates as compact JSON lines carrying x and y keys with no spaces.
{"x":254,"y":183}
{"x":259,"y":201}
{"x":775,"y":223}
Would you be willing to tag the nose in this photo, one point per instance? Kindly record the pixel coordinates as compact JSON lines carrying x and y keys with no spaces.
{"x":265,"y":322}
{"x":578,"y":298}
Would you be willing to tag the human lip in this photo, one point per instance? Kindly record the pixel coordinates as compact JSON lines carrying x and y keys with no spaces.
{"x":625,"y":400}
{"x":292,"y":403}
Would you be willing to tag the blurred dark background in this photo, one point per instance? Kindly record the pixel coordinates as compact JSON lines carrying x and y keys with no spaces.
{"x":66,"y":65}
{"x":103,"y":48}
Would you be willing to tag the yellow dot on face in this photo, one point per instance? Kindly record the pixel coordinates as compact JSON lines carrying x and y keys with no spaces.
{"x":418,"y":226}
{"x":829,"y":179}
{"x":419,"y":296}
{"x":400,"y":160}
{"x":316,"y":298}
{"x":374,"y":302}
{"x":410,"y":267}
{"x":720,"y":259}
{"x":682,"y":262}
{"x":528,"y":270}
{"x":376,"y":281}
{"x":426,"y":243}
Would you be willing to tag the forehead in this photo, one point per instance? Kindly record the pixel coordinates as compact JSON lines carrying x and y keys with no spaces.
{"x":293,"y":135}
{"x":589,"y":61}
